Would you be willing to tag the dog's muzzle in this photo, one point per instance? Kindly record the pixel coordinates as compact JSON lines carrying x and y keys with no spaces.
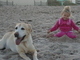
{"x":18,"y":39}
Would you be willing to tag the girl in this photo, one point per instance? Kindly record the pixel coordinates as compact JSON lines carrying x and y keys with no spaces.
{"x":65,"y":24}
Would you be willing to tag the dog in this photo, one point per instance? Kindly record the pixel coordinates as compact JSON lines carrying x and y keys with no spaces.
{"x":20,"y":41}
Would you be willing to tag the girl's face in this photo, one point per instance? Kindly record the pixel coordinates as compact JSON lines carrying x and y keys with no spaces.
{"x":65,"y":15}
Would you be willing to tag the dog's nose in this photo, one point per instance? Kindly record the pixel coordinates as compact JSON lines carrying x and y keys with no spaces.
{"x":16,"y":34}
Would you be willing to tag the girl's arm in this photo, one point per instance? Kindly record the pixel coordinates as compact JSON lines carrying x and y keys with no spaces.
{"x":55,"y":27}
{"x":75,"y":27}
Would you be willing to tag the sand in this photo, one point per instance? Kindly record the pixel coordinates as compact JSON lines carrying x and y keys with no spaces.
{"x":41,"y":18}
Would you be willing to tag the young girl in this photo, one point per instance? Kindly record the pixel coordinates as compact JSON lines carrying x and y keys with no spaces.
{"x":65,"y":24}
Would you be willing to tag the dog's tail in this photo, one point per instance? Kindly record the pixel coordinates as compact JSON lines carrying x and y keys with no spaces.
{"x":78,"y":23}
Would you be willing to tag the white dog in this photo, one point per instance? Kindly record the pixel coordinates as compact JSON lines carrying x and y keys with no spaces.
{"x":20,"y":41}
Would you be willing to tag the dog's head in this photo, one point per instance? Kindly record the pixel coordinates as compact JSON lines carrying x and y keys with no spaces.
{"x":22,"y":30}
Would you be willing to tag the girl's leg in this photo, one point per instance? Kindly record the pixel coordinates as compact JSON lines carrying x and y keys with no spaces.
{"x":59,"y":34}
{"x":71,"y":34}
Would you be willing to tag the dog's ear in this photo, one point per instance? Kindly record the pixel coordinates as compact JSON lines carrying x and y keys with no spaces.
{"x":30,"y":27}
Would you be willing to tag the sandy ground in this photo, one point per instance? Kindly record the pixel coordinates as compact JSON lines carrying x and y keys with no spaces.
{"x":41,"y":18}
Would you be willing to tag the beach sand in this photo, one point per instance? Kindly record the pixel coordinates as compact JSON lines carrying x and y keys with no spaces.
{"x":42,"y":18}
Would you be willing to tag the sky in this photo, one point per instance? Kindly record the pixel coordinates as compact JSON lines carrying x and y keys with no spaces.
{"x":23,"y":2}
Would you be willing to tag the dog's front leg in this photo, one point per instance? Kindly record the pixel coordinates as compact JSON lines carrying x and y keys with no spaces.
{"x":23,"y":55}
{"x":35,"y":55}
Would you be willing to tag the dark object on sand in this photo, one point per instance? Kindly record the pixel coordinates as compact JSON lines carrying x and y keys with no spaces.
{"x":78,"y":22}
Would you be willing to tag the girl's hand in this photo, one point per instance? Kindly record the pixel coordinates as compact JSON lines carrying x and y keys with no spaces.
{"x":79,"y":30}
{"x":48,"y":31}
{"x":50,"y":35}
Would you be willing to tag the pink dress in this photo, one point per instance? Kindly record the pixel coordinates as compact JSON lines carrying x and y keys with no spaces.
{"x":65,"y":27}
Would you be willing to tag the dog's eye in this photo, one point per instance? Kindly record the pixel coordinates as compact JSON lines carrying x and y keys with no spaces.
{"x":22,"y":29}
{"x":16,"y":28}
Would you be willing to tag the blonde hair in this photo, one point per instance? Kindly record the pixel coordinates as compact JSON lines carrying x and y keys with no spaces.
{"x":67,"y":9}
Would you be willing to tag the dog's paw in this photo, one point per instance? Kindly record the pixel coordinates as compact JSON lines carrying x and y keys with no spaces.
{"x":28,"y":59}
{"x":35,"y":59}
